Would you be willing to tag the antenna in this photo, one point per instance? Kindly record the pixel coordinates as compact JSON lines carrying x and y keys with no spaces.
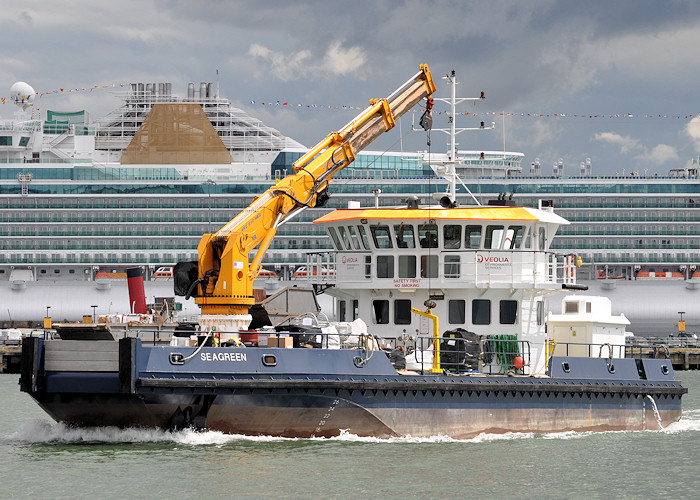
{"x":447,"y":169}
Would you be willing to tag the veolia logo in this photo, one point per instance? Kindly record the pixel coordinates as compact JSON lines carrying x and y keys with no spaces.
{"x":480,"y":259}
{"x":349,"y":260}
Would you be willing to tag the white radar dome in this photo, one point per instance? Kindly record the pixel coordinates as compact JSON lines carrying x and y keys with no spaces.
{"x":22,"y":94}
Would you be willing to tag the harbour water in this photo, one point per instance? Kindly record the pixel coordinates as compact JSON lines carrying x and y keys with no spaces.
{"x":43,"y":459}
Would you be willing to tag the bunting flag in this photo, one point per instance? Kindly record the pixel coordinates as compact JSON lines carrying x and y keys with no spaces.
{"x":341,"y":107}
{"x":316,"y":106}
{"x":584,"y":115}
{"x":4,"y":100}
{"x":487,"y":113}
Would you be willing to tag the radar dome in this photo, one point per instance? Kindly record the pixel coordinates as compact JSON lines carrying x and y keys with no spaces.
{"x":22,"y":94}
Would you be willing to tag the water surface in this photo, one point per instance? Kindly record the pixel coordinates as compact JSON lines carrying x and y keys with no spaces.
{"x":43,"y":459}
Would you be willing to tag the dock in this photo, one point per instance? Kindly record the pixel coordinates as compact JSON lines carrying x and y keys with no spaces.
{"x":682,"y":358}
{"x":10,"y":358}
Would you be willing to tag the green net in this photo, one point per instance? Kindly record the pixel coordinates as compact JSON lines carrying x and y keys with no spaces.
{"x":505,"y":349}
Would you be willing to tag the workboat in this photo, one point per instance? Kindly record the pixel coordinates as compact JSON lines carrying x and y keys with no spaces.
{"x":441,"y":326}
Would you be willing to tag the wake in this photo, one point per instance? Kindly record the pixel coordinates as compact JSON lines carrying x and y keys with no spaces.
{"x":45,"y":432}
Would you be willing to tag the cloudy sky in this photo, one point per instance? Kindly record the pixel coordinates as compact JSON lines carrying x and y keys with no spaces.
{"x":614,"y":81}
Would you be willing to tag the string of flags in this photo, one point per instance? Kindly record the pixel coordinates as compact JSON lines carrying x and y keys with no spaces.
{"x":340,"y":107}
{"x":287,"y":104}
{"x":23,"y":98}
{"x":577,"y":115}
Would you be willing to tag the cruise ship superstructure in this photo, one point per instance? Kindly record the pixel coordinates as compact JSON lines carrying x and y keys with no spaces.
{"x":138,"y":187}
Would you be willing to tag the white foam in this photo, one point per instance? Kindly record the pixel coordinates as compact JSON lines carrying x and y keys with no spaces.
{"x":689,"y":422}
{"x":347,"y":436}
{"x":42,"y":431}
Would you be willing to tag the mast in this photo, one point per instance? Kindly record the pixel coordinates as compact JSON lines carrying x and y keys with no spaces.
{"x":448,"y":169}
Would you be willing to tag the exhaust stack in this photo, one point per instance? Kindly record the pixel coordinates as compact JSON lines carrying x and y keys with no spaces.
{"x":137,"y":294}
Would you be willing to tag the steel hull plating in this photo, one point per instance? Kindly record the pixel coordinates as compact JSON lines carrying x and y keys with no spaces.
{"x":293,"y":399}
{"x":307,"y":415}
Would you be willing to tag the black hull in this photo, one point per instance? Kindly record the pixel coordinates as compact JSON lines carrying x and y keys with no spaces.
{"x":329,"y":412}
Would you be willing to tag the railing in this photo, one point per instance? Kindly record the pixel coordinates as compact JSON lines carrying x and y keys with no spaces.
{"x":672,"y":340}
{"x":504,"y":354}
{"x":494,"y":354}
{"x":320,"y":268}
{"x":578,"y":349}
{"x":480,"y":267}
{"x":299,"y":337}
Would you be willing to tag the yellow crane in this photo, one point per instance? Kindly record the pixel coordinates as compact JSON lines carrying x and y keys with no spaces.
{"x":224,"y":274}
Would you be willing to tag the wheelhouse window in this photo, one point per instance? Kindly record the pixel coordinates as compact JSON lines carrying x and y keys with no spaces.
{"x":508,"y":312}
{"x":334,"y":237}
{"x":380,"y":312}
{"x":481,"y":312}
{"x":354,"y":238}
{"x":428,"y":236}
{"x":457,"y":312}
{"x":472,"y":237}
{"x":368,"y":266}
{"x":381,"y":236}
{"x":402,"y":312}
{"x":363,"y":237}
{"x":452,"y":236}
{"x":493,"y":237}
{"x":344,"y":237}
{"x":405,"y":237}
{"x":514,"y":237}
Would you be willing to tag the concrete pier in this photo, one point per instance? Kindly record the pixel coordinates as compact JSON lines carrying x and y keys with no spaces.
{"x":682,"y":358}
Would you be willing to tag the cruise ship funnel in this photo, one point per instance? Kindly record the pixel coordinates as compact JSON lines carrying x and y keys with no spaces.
{"x":137,"y":293}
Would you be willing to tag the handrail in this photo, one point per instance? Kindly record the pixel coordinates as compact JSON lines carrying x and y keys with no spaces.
{"x":551,"y":269}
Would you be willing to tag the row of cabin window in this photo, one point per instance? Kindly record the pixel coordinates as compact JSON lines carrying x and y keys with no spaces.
{"x":429,"y":265}
{"x":454,"y":237}
{"x":456,"y":312}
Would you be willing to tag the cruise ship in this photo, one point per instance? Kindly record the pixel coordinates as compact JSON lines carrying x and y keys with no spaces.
{"x":81,"y":201}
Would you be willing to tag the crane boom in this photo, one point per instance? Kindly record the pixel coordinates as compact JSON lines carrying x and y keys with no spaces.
{"x":224,"y":284}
